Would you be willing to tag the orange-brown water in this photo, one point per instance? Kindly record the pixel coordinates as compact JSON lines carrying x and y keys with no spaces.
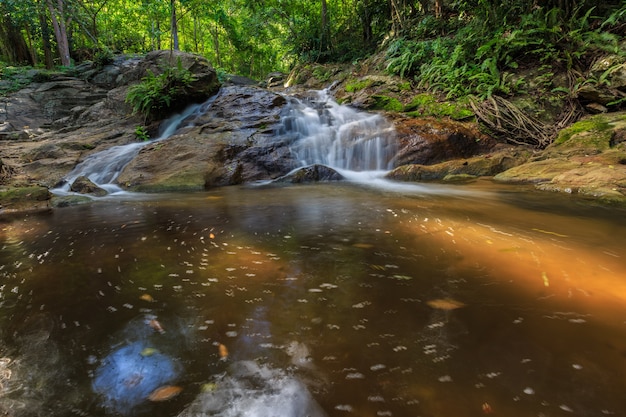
{"x":331,"y":300}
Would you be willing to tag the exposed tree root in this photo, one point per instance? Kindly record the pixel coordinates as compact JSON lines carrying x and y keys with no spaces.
{"x":509,"y":122}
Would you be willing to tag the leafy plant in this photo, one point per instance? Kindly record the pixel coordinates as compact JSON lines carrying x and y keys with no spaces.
{"x":155,"y":95}
{"x":103,"y":57}
{"x":141,"y":133}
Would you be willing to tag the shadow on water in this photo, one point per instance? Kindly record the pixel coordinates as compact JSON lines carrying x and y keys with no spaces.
{"x":322,"y":300}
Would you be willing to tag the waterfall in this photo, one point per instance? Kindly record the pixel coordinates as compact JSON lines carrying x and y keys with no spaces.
{"x":325,"y":132}
{"x":103,"y":168}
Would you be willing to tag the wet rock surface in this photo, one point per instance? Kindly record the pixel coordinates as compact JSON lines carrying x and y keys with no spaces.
{"x":50,"y":126}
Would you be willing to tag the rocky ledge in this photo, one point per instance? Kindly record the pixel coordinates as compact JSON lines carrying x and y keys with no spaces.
{"x":49,"y":127}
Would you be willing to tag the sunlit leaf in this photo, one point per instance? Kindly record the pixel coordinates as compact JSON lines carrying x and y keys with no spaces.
{"x":445,"y":304}
{"x":147,"y":297}
{"x":164,"y":393}
{"x":149,"y":351}
{"x":223,"y":351}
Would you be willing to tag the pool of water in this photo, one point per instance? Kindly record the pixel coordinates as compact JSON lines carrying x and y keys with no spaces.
{"x":318,"y":300}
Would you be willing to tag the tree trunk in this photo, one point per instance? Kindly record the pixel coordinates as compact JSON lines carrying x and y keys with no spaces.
{"x":438,"y":8}
{"x":366,"y":24}
{"x":325,"y":29}
{"x":60,"y":31}
{"x":12,"y":43}
{"x":174,"y":26}
{"x":216,"y":46}
{"x":45,"y":37}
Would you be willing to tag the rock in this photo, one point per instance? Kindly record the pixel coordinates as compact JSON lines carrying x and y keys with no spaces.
{"x":461,"y":169}
{"x":312,"y":173}
{"x":428,"y":141}
{"x":611,"y":70}
{"x":588,"y":158}
{"x":24,"y":198}
{"x":84,"y":185}
{"x":69,"y":200}
{"x":234,"y":141}
{"x":204,"y":85}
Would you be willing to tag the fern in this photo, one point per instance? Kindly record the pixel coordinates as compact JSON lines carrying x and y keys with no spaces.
{"x":155,"y":95}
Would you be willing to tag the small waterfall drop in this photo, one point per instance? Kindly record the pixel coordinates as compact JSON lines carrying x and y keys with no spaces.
{"x":103,"y":168}
{"x":339,"y":136}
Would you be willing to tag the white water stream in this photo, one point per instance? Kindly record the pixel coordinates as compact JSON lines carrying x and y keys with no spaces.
{"x":103,"y":168}
{"x":357,"y":144}
{"x":361,"y":146}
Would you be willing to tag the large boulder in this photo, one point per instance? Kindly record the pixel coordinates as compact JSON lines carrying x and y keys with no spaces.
{"x":427,"y":141}
{"x":233,"y":141}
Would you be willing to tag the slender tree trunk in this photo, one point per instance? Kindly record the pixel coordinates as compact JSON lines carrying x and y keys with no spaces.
{"x":325,"y":29}
{"x":438,"y":8}
{"x":45,"y":37}
{"x":195,"y":34}
{"x":216,"y":46}
{"x":31,"y":47}
{"x":60,"y":31}
{"x":174,"y":26}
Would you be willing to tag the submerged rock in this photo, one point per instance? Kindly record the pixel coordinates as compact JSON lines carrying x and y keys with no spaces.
{"x":312,"y":173}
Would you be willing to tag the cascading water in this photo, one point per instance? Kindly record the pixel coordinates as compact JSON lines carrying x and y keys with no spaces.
{"x":338,"y":136}
{"x":103,"y":168}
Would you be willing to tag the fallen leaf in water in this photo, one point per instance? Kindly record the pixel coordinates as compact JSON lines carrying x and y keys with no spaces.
{"x":156,"y":326}
{"x":363,"y":245}
{"x":445,"y":304}
{"x":223,"y":351}
{"x":147,"y":297}
{"x":487,"y":408}
{"x":164,"y":393}
{"x":402,"y":277}
{"x":149,"y":351}
{"x":211,"y":236}
{"x":544,"y":276}
{"x":208,"y":387}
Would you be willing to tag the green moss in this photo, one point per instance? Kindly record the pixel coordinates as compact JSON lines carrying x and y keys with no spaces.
{"x":321,"y":73}
{"x":387,"y":103}
{"x":358,"y":85}
{"x":420,"y":101}
{"x":594,"y":125}
{"x":404,"y":86}
{"x":24,"y":198}
{"x":427,"y":105}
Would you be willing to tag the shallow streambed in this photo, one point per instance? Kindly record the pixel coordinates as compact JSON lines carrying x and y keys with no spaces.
{"x":316,"y":300}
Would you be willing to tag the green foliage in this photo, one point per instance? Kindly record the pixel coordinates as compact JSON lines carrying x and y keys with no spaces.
{"x":386,"y":103}
{"x":155,"y":95}
{"x":595,"y":124}
{"x":14,"y":78}
{"x":427,"y":105}
{"x":477,"y":58}
{"x":141,"y":133}
{"x":358,"y":85}
{"x":102,"y":58}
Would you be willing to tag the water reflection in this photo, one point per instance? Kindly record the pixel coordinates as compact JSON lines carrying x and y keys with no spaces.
{"x":330,"y":300}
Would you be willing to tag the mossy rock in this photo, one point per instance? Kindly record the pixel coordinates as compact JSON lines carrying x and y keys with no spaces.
{"x":386,"y":103}
{"x":460,"y":170}
{"x":24,"y":198}
{"x":593,"y":132}
{"x":358,"y":85}
{"x":423,"y":105}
